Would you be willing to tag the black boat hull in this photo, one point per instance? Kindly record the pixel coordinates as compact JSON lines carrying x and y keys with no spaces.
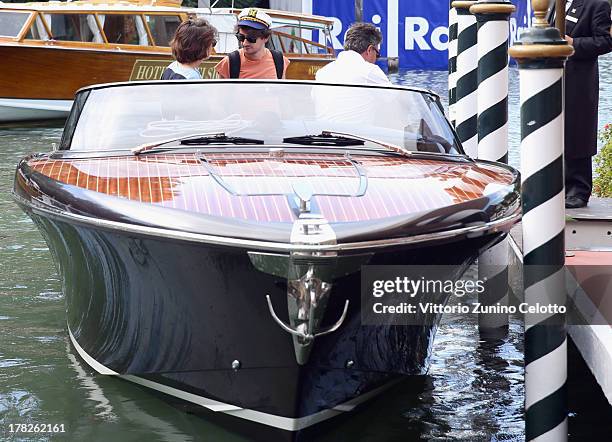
{"x":174,"y":315}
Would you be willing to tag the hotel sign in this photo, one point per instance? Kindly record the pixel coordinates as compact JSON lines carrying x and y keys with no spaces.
{"x":153,"y":70}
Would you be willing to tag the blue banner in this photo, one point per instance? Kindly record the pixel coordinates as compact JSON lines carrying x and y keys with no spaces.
{"x":414,"y":31}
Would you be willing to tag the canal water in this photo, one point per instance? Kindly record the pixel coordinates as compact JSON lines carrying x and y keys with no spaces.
{"x":473,"y":392}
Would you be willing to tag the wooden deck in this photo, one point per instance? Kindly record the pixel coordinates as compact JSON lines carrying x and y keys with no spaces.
{"x":254,"y":186}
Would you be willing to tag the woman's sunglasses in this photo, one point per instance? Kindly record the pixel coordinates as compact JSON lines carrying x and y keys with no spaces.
{"x":241,"y":38}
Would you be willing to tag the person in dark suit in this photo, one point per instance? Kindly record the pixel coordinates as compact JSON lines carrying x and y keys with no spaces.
{"x":587,"y":29}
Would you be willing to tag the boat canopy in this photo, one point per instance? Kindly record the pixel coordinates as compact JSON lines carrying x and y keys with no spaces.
{"x":126,"y":115}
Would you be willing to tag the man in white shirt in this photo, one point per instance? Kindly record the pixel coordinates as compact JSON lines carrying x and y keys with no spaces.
{"x":356,"y":63}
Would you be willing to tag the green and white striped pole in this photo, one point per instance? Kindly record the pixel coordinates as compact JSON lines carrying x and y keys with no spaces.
{"x":452,"y":63}
{"x":467,"y":78}
{"x":541,"y":54}
{"x":492,"y":17}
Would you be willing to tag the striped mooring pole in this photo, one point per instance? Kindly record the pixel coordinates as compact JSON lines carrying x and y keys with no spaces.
{"x":452,"y":62}
{"x":541,"y":54}
{"x":492,"y":17}
{"x":467,"y":78}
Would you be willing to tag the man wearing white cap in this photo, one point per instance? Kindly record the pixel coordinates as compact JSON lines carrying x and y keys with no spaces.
{"x":253,"y":60}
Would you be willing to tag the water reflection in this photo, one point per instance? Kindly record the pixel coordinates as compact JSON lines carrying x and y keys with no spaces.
{"x":473,"y":392}
{"x":122,"y":408}
{"x":17,"y":403}
{"x":95,"y":394}
{"x":477,"y":386}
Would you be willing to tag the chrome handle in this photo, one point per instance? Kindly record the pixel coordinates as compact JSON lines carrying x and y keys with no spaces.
{"x":307,"y":337}
{"x":284,"y":326}
{"x":338,"y":323}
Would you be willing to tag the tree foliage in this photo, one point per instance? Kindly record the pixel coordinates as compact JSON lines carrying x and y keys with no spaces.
{"x":602,"y":184}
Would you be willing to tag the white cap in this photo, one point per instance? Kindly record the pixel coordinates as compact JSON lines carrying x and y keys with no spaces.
{"x":254,"y":18}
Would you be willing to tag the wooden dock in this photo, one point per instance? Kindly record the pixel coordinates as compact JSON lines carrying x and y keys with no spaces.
{"x":588,"y":243}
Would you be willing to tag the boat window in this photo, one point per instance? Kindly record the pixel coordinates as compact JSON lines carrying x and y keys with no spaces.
{"x":11,"y":23}
{"x":162,"y":27}
{"x":70,"y":27}
{"x":137,"y":114}
{"x":38,"y":31}
{"x":125,"y":29}
{"x":290,"y":40}
{"x":66,"y":27}
{"x":94,"y":28}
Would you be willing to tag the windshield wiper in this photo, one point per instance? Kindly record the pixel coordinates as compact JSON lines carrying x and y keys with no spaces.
{"x":324,"y":139}
{"x":195,"y":139}
{"x":332,"y":138}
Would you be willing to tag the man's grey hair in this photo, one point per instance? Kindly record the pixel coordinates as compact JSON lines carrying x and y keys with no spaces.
{"x":361,"y":35}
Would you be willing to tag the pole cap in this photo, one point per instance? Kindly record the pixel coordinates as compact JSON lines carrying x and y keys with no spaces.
{"x":462,"y":4}
{"x":492,"y":7}
{"x":541,"y":43}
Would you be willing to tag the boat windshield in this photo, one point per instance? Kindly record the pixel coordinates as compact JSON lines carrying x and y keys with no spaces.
{"x":126,"y":116}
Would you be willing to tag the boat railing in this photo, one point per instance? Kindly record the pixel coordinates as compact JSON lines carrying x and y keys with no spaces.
{"x":292,"y":44}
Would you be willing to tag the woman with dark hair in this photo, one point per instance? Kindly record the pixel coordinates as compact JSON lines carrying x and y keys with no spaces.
{"x":192,"y":43}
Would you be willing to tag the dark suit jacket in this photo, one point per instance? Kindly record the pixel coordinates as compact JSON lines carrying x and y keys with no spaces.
{"x":588,"y":23}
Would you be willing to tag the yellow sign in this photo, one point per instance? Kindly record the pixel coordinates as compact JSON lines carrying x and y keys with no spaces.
{"x":153,"y":69}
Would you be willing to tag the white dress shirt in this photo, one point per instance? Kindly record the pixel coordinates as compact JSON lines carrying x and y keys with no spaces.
{"x":568,"y":4}
{"x":350,"y":67}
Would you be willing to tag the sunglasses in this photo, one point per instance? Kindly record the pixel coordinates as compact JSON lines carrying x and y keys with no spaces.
{"x":250,"y":38}
{"x":377,"y":51}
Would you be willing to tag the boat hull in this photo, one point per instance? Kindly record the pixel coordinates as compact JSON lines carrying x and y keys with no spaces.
{"x":21,"y":109}
{"x":174,"y":315}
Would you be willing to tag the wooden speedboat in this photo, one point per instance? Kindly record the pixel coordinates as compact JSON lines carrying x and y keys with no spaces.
{"x":213,"y":250}
{"x":49,"y":50}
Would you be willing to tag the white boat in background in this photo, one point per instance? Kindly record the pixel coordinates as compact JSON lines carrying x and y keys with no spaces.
{"x":12,"y":109}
